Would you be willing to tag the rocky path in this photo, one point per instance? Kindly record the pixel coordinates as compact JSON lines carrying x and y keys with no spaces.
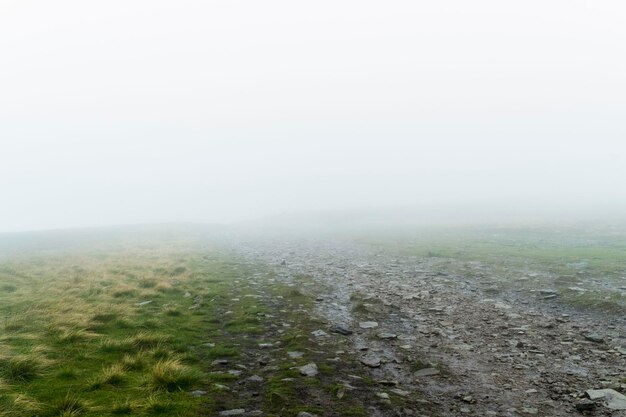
{"x":426,"y":330}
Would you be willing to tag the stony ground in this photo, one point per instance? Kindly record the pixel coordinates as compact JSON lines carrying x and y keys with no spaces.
{"x":447,"y":338}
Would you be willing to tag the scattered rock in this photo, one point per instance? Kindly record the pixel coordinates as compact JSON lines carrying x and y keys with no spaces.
{"x":337,"y":328}
{"x":585,"y":405}
{"x":234,"y":412}
{"x":305,"y":414}
{"x":594,"y":337}
{"x":198,"y":393}
{"x":368,"y":325}
{"x":319,"y":333}
{"x":386,"y":336}
{"x":309,"y":369}
{"x":254,"y":379}
{"x":427,"y":372}
{"x":371,"y":361}
{"x":400,"y":392}
{"x":612,"y":399}
{"x":295,"y":354}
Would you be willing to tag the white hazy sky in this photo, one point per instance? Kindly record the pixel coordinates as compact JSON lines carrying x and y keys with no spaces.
{"x":135,"y":111}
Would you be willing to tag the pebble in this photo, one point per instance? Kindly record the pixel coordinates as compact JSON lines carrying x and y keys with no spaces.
{"x":368,"y":324}
{"x":319,"y":333}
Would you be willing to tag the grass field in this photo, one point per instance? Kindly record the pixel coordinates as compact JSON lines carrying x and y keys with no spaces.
{"x":99,"y":333}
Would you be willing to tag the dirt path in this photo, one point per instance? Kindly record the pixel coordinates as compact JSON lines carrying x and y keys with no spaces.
{"x":443,"y":334}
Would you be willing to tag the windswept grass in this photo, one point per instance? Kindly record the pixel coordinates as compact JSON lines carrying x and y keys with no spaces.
{"x":20,"y":368}
{"x":68,"y":406}
{"x":78,"y":323}
{"x":172,"y":375}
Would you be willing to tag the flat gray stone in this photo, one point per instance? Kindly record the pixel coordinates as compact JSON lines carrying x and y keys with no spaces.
{"x":386,"y":335}
{"x":337,"y":328}
{"x":368,"y":325}
{"x":371,"y":361}
{"x":400,"y":392}
{"x":427,"y":372}
{"x":612,"y":399}
{"x":233,"y":412}
{"x":319,"y":333}
{"x":594,"y":337}
{"x":310,"y":369}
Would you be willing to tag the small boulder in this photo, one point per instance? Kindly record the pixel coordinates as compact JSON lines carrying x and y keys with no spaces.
{"x":337,"y":328}
{"x":310,"y":369}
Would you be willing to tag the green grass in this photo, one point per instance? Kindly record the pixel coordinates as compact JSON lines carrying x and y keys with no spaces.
{"x":75,"y":341}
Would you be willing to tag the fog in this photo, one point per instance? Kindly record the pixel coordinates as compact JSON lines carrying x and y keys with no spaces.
{"x":126,"y":112}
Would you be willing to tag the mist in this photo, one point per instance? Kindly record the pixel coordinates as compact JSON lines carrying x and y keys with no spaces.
{"x":222,"y":112}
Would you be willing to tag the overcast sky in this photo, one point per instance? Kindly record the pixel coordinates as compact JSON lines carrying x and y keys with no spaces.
{"x":136,"y":111}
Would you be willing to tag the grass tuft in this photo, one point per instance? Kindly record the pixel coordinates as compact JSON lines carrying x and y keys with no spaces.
{"x":20,"y":368}
{"x":171,"y":375}
{"x":113,"y":376}
{"x":69,"y":406}
{"x":122,"y":408}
